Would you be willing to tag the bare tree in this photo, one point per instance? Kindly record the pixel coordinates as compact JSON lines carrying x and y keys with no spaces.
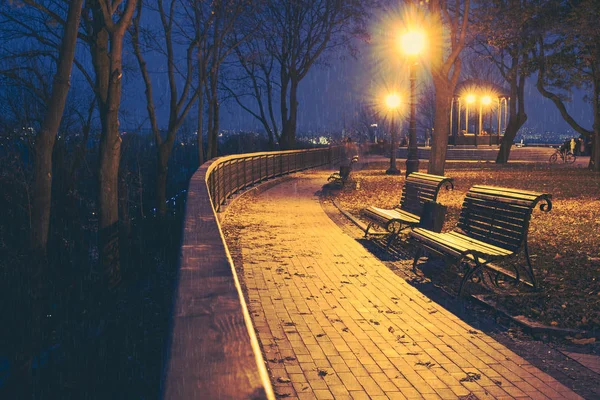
{"x":294,"y":36}
{"x":173,"y":33}
{"x":106,"y":23}
{"x":55,"y":98}
{"x":215,"y":23}
{"x":568,"y":56}
{"x":365,"y":122}
{"x":445,"y":70}
{"x":256,"y":82}
{"x":510,"y":53}
{"x":42,"y":177}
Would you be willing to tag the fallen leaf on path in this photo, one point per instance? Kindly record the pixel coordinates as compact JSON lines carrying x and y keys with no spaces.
{"x":584,"y":341}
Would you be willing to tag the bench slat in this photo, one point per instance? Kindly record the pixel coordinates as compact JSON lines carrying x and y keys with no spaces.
{"x":461,"y":242}
{"x":500,"y":200}
{"x":446,"y":244}
{"x":428,"y":177}
{"x":505,"y":191}
{"x":509,"y":229}
{"x":494,"y":238}
{"x":385,"y":215}
{"x":476,"y":206}
{"x":491,"y":247}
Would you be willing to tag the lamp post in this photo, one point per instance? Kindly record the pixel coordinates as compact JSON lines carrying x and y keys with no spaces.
{"x":392,"y":102}
{"x":470,"y":99}
{"x":412,"y":43}
{"x":483,"y":101}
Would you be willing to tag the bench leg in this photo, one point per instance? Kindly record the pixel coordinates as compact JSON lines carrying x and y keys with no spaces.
{"x":470,"y":272}
{"x":418,"y":254}
{"x":390,"y":239}
{"x":367,"y":230}
{"x":529,"y":267}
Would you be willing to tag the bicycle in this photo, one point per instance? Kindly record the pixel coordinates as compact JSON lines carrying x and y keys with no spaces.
{"x":565,"y":156}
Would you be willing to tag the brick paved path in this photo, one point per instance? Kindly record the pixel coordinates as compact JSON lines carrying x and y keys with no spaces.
{"x":335,"y":322}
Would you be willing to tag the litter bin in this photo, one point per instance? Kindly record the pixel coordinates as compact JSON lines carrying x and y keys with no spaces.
{"x":345,"y":171}
{"x":433,"y":215}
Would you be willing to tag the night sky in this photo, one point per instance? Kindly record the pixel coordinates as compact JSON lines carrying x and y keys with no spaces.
{"x":330,"y":94}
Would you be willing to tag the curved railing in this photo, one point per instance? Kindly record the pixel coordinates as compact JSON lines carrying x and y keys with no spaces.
{"x":234,"y":173}
{"x":213,"y":352}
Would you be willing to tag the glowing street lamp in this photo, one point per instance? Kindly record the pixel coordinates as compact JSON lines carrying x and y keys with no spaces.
{"x":392,"y":103}
{"x":413,"y":44}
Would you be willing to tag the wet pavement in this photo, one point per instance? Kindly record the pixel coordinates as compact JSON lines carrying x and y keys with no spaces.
{"x":335,"y":322}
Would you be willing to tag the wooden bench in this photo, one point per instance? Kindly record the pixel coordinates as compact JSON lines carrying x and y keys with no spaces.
{"x":493,"y":225}
{"x":418,"y":189}
{"x":340,"y":178}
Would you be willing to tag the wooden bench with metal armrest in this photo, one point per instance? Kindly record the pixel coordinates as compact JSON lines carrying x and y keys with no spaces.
{"x":418,"y":189}
{"x":493,"y":224}
{"x":340,"y":178}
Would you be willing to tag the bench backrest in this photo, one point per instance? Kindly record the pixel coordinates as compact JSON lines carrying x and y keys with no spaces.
{"x":419,"y":188}
{"x":500,"y":216}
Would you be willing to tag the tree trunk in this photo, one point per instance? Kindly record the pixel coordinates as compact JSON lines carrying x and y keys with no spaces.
{"x":441,"y":127}
{"x":215,"y":147}
{"x":44,"y":144}
{"x":292,"y":121}
{"x":110,"y":155}
{"x":42,"y":188}
{"x":517,"y":117}
{"x":594,"y":163}
{"x":125,"y":218}
{"x":162,"y":165}
{"x":515,"y":122}
{"x":289,"y":115}
{"x":209,"y":129}
{"x":283,"y":105}
{"x":213,"y":116}
{"x":200,"y":124}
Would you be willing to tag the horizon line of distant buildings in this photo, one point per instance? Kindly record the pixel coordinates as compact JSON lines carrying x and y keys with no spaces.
{"x":527,"y":134}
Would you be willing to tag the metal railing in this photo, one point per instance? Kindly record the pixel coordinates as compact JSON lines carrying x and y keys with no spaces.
{"x":231,"y":174}
{"x":213,"y":351}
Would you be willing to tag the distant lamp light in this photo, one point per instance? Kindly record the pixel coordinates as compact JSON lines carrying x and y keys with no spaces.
{"x":486,"y":100}
{"x":470,"y":98}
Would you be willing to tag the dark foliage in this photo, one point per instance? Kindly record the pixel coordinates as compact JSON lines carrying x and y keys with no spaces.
{"x":95,"y":345}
